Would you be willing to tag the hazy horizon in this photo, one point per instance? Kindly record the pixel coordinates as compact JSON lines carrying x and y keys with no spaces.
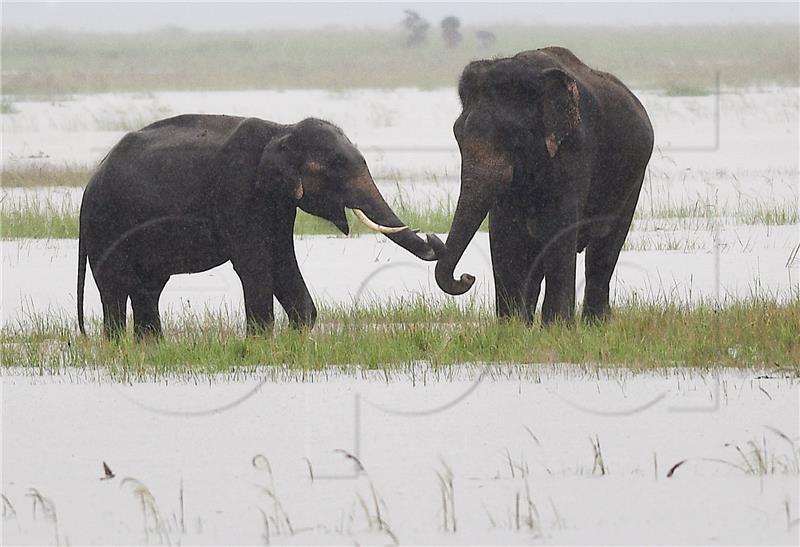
{"x":238,"y":16}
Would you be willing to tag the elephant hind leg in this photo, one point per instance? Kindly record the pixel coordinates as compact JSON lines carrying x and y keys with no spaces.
{"x":114,"y":281}
{"x":144,"y":301}
{"x":115,"y":301}
{"x":602,"y":255}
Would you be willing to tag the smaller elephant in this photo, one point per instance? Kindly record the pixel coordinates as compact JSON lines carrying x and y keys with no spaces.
{"x":189,"y":193}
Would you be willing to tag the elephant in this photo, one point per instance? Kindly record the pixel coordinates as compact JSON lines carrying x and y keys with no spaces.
{"x":555,"y":153}
{"x":188,"y":193}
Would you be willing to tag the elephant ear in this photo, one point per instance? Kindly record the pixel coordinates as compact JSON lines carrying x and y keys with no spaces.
{"x":236,"y":164}
{"x":242,"y":169}
{"x":279,"y":170}
{"x":560,"y":109}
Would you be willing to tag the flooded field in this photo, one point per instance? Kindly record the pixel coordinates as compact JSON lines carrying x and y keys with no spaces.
{"x":463,"y":455}
{"x":407,"y":132}
{"x":750,"y":261}
{"x":414,"y":453}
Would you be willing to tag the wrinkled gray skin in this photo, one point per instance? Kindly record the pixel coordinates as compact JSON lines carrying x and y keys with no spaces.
{"x":555,"y":153}
{"x":189,"y":193}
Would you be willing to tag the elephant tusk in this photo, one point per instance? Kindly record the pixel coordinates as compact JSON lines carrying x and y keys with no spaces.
{"x":374,"y":226}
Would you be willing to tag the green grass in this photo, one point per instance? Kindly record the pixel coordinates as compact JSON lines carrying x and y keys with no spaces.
{"x":37,"y":217}
{"x":53,"y":63}
{"x":426,"y":220}
{"x":754,"y":333}
{"x":51,"y":218}
{"x":44,"y":218}
{"x":45,"y":174}
{"x":8,"y":108}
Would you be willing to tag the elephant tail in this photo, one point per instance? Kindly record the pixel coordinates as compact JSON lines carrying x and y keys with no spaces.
{"x":81,"y":281}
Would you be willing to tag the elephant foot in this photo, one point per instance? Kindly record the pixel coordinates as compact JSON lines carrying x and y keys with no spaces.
{"x":595,"y":317}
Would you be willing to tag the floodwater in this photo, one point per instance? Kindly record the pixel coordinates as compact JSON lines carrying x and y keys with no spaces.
{"x":409,"y":118}
{"x":40,"y":275}
{"x":507,"y":435}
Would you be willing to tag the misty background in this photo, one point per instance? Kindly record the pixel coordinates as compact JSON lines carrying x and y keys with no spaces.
{"x":54,"y":49}
{"x":239,"y":16}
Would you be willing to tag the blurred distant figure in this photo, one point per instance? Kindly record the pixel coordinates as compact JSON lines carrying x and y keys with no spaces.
{"x":485,"y":38}
{"x":452,"y":37}
{"x":417,"y":28}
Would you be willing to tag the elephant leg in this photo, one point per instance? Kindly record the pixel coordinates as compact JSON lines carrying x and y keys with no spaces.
{"x":113,"y":282}
{"x":251,"y":256}
{"x":144,"y":301}
{"x":258,"y":304}
{"x":292,"y":292}
{"x":533,"y":285}
{"x":559,"y":272}
{"x":559,"y":294}
{"x":517,"y":270}
{"x":289,"y":286}
{"x":115,"y":300}
{"x":602,"y":255}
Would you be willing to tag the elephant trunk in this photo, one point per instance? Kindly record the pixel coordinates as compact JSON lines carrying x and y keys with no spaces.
{"x":369,"y":203}
{"x":481,"y":181}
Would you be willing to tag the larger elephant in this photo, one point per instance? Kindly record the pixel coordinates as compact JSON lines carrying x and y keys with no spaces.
{"x":191,"y":192}
{"x":555,"y":153}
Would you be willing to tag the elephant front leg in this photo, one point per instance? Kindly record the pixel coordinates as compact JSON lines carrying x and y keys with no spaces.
{"x":257,"y":284}
{"x":290,"y":288}
{"x":252,"y":257}
{"x":516,"y":264}
{"x":292,"y":293}
{"x":559,"y":275}
{"x":258,"y":304}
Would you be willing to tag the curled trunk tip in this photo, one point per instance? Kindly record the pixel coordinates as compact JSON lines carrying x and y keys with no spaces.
{"x":444,"y":278}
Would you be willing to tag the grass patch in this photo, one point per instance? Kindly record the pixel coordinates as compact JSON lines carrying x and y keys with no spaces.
{"x":53,"y":63}
{"x":38,"y":217}
{"x":46,"y":218}
{"x":34,"y":216}
{"x":45,"y":174}
{"x":763,"y":214}
{"x":8,"y":108}
{"x":431,"y":220}
{"x":755,"y":333}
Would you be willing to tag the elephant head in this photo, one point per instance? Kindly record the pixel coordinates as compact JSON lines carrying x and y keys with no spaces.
{"x":514,"y":120}
{"x":318,"y":167}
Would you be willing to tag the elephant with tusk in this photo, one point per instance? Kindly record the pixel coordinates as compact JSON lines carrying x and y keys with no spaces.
{"x":191,"y":192}
{"x":554,"y":152}
{"x":377,"y":227}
